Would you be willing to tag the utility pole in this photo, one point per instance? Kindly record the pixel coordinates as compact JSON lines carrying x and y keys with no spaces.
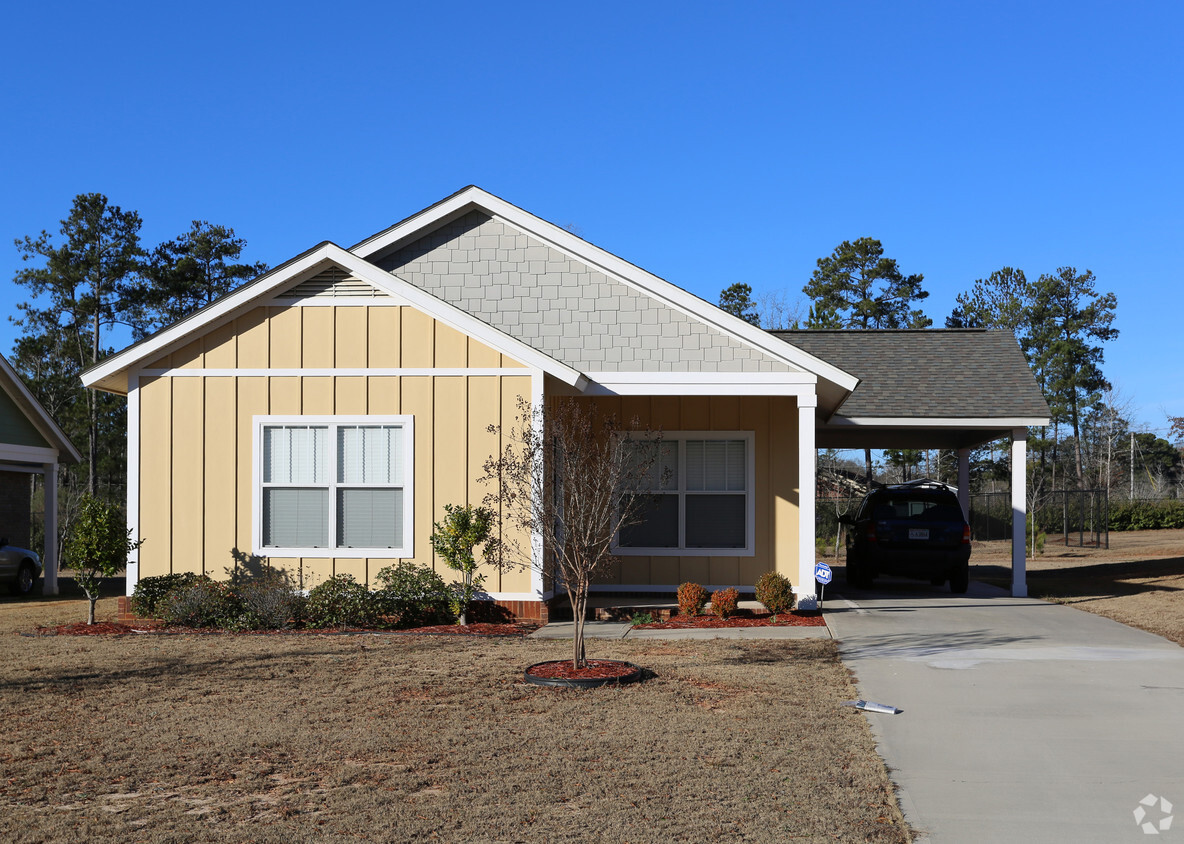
{"x":1132,"y":495}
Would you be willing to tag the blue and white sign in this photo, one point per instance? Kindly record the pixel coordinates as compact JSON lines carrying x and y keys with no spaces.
{"x":822,"y":573}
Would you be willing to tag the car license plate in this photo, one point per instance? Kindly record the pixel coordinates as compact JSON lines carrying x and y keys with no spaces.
{"x":918,"y":533}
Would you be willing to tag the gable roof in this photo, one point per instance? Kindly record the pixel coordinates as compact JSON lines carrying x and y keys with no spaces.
{"x":930,"y":373}
{"x":681,"y":331}
{"x":112,"y":374}
{"x":584,"y":288}
{"x":36,"y":415}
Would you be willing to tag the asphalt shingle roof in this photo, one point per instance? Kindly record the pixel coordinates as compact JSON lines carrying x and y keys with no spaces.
{"x":947,"y":373}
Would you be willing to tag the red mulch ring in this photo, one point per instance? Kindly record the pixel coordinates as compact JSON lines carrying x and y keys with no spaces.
{"x":596,"y":669}
{"x":790,"y":619}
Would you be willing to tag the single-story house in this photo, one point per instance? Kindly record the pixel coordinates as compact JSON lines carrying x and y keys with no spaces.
{"x":31,"y":443}
{"x":323,"y":415}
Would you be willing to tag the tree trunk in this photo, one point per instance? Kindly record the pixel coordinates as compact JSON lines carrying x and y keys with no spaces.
{"x":92,"y":485}
{"x":464,"y":606}
{"x":867,"y":459}
{"x":90,"y":616}
{"x":1077,"y":441}
{"x":579,"y":607}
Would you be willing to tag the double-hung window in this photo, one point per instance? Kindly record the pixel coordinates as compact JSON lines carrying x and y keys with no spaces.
{"x":700,"y":497}
{"x":334,"y":486}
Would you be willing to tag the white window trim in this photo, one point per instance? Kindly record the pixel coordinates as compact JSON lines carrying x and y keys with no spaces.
{"x":407,"y":550}
{"x":749,"y":549}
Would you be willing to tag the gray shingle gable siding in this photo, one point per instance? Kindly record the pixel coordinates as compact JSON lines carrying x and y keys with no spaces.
{"x":951,"y":373}
{"x":561,"y":306}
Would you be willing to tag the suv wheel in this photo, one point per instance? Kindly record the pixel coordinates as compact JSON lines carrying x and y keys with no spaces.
{"x":960,"y":579}
{"x":25,"y":578}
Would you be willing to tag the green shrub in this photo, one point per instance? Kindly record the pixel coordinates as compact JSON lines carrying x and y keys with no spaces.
{"x":691,"y":598}
{"x":268,"y":602}
{"x":724,"y":601}
{"x":775,"y":592}
{"x":203,"y":603}
{"x":416,"y":595}
{"x":642,"y":618}
{"x":1146,"y":515}
{"x":342,"y":602}
{"x":150,"y":591}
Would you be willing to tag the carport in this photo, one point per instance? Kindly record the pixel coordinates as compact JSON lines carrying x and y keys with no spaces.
{"x":31,"y":443}
{"x":935,"y":388}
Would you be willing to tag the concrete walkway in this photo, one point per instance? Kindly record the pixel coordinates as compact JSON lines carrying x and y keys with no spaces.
{"x":625,"y":630}
{"x":1022,"y":720}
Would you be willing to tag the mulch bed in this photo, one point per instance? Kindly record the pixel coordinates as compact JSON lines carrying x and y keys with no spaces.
{"x":595,"y":669}
{"x":685,"y":622}
{"x":115,"y":628}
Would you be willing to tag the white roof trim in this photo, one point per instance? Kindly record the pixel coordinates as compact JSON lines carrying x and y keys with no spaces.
{"x":617,"y":268}
{"x":263,"y":290}
{"x":701,"y":384}
{"x":35,"y":412}
{"x":938,"y":422}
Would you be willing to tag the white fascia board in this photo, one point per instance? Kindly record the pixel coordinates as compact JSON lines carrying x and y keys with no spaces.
{"x":701,"y":384}
{"x":256,"y":293}
{"x":27,"y":454}
{"x":936,"y":422}
{"x":35,"y":411}
{"x":612,"y":266}
{"x":205,"y":319}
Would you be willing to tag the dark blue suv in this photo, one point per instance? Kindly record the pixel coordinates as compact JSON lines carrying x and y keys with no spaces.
{"x":912,"y":530}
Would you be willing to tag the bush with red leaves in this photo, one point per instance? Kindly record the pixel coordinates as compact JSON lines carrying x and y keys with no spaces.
{"x":724,"y":601}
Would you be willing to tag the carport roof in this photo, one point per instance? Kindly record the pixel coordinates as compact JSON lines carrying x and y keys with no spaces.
{"x":975,"y":380}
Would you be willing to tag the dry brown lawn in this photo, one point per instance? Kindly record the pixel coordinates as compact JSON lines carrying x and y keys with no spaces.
{"x":1138,"y":581}
{"x":410,"y":738}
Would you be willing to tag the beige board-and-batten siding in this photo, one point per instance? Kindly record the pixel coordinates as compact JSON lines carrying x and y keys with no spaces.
{"x":197,"y":431}
{"x":773,"y":423}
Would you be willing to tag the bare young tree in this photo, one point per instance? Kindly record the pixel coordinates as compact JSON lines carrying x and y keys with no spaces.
{"x":572,"y":478}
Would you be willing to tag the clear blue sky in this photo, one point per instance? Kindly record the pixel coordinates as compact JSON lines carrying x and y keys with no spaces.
{"x":708,"y":143}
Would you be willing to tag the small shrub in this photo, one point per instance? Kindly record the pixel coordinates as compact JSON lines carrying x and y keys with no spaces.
{"x":151,"y":591}
{"x":775,"y":592}
{"x":643,"y":618}
{"x":691,"y":598}
{"x":342,"y":602}
{"x":203,"y":603}
{"x":416,"y":595}
{"x":724,"y":601}
{"x":268,"y":602}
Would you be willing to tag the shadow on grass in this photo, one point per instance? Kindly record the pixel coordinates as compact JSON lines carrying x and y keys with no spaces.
{"x":68,"y":590}
{"x":157,"y":667}
{"x":1095,"y":580}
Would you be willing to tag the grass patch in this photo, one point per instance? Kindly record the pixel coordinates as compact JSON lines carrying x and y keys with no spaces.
{"x":321,"y":737}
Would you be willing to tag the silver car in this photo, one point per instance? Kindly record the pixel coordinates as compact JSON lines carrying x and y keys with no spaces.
{"x":19,"y":567}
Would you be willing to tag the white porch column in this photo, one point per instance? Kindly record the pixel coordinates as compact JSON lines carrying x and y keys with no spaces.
{"x":49,"y":560}
{"x":807,"y":481}
{"x":964,"y":481}
{"x":1019,"y":512}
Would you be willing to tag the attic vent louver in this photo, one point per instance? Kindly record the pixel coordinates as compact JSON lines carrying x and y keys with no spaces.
{"x":332,"y":283}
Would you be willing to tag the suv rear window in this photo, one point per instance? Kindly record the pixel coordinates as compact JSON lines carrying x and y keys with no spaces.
{"x":916,"y":507}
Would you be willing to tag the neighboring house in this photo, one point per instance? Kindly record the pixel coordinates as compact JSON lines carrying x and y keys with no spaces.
{"x":31,"y":443}
{"x":323,"y":415}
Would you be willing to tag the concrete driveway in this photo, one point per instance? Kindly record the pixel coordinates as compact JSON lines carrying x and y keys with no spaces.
{"x":1022,"y":721}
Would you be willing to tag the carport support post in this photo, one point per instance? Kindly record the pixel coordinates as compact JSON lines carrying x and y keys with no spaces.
{"x":964,"y":482}
{"x":49,"y":560}
{"x":1019,"y":512}
{"x":807,"y":479}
